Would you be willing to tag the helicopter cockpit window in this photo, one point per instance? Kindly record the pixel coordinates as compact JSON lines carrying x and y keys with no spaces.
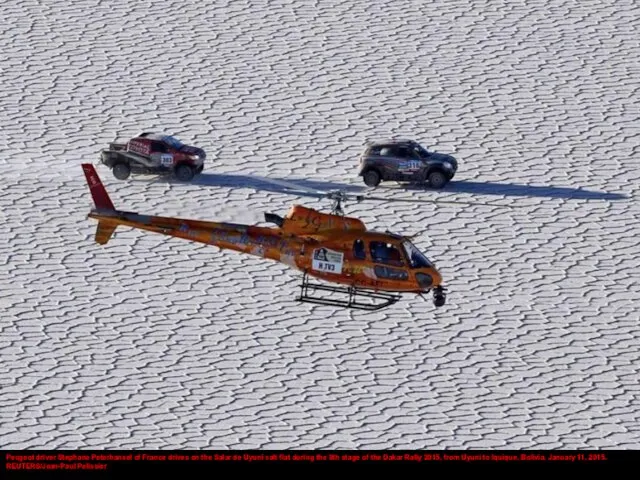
{"x":386,"y":253}
{"x":390,"y":273}
{"x":415,"y":256}
{"x":359,"y":250}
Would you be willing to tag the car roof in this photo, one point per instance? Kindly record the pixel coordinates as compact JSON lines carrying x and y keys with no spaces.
{"x":392,"y":141}
{"x":153,"y":136}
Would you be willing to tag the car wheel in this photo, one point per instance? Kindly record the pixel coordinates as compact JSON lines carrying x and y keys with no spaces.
{"x":437,"y":179}
{"x":184,"y":173}
{"x":121,"y":171}
{"x":372,"y":178}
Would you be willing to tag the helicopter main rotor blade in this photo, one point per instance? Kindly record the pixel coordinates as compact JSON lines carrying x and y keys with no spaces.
{"x":360,"y":198}
{"x":295,"y":188}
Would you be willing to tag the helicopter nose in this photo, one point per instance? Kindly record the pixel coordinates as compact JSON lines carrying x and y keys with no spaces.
{"x":424,"y":280}
{"x":428,"y":280}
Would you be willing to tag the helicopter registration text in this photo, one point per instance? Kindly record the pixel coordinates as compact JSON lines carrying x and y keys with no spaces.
{"x":325,"y":260}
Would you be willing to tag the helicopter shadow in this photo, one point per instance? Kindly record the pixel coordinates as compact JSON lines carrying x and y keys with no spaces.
{"x":519,"y":190}
{"x":263,"y":184}
{"x":288,"y":186}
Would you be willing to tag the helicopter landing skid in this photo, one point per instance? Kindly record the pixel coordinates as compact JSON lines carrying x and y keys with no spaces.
{"x":353,"y":295}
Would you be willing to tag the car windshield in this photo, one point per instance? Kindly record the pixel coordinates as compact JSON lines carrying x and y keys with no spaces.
{"x":421,"y":151}
{"x":172,"y":141}
{"x":415,"y":256}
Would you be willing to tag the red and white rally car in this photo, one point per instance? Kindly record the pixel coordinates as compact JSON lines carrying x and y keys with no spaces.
{"x":154,"y":153}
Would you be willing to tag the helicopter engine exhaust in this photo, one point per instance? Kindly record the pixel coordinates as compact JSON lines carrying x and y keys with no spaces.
{"x":273,"y":218}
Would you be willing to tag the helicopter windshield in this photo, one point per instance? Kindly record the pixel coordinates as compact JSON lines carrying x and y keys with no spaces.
{"x":415,"y":256}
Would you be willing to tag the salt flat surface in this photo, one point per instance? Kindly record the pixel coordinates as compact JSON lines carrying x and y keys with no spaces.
{"x":161,"y":343}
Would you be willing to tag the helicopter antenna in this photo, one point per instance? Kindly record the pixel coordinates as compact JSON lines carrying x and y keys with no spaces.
{"x":336,"y":208}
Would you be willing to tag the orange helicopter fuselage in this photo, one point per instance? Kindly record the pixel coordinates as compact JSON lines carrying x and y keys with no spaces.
{"x":333,"y":248}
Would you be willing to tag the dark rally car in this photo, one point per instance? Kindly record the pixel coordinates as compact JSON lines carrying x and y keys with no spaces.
{"x":405,"y":161}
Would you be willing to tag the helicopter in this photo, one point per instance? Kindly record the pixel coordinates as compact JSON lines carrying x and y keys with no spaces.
{"x":361,"y":269}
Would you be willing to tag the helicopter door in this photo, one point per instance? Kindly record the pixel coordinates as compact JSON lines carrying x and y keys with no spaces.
{"x":390,"y":264}
{"x":358,"y":259}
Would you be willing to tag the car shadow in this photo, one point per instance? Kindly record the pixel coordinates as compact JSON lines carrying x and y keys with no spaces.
{"x":519,"y":190}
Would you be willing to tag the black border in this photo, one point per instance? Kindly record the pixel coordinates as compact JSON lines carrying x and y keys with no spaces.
{"x":111,"y":463}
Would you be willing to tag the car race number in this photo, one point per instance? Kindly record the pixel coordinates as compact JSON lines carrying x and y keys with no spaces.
{"x":166,"y":160}
{"x":409,"y":165}
{"x":325,"y":260}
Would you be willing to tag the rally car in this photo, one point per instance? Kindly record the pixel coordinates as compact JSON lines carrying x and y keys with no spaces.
{"x":405,"y":161}
{"x":154,"y":153}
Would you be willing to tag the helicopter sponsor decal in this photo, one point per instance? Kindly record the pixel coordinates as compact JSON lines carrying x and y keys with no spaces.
{"x":268,"y":241}
{"x":363,"y":270}
{"x":312,"y":219}
{"x":93,"y":181}
{"x":355,"y":269}
{"x":260,"y":243}
{"x":234,"y":238}
{"x":325,"y":260}
{"x":187,"y":231}
{"x":288,"y":258}
{"x":234,"y":226}
{"x":368,"y":283}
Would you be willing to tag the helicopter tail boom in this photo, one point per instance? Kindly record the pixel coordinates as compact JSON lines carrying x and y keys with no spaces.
{"x":250,"y":239}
